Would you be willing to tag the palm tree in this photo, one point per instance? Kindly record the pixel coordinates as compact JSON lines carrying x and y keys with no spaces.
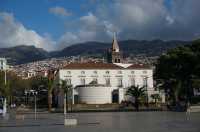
{"x":156,"y":97}
{"x":136,"y":92}
{"x":50,"y":89}
{"x":67,"y":91}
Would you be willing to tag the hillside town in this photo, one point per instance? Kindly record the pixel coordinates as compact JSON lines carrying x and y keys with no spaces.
{"x":32,"y":69}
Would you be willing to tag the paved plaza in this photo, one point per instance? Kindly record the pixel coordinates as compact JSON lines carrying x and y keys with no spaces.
{"x":105,"y":122}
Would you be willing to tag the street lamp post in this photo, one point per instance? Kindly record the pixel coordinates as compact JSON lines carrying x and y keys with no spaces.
{"x":25,"y":97}
{"x":65,"y":110}
{"x":35,"y":98}
{"x":35,"y":107}
{"x":5,"y":102}
{"x":146,"y":89}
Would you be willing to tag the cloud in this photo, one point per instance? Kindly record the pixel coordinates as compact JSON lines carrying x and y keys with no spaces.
{"x":13,"y":33}
{"x":186,"y":19}
{"x":90,"y":28}
{"x":139,"y":19}
{"x":89,"y":19}
{"x":59,"y":11}
{"x":131,"y":19}
{"x":170,"y":19}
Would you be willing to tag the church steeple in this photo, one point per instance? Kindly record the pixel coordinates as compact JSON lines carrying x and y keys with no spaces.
{"x":115,"y":46}
{"x":114,"y":55}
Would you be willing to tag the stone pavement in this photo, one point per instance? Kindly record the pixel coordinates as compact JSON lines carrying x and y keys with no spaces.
{"x":105,"y":122}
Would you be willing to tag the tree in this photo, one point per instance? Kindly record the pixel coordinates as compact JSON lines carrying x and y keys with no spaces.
{"x":47,"y":83}
{"x":42,"y":85}
{"x":15,"y":86}
{"x":50,"y":89}
{"x":177,"y":68}
{"x":156,"y":97}
{"x":67,"y":92}
{"x":5,"y":90}
{"x":136,"y":92}
{"x":39,"y":82}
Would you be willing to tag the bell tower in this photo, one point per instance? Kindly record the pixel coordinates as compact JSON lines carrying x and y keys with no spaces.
{"x":114,"y":54}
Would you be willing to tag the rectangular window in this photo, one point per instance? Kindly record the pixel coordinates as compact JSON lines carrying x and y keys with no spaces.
{"x":82,"y":81}
{"x":120,"y":84}
{"x":107,"y":81}
{"x":95,"y":80}
{"x":68,"y":81}
{"x":132,"y":80}
{"x":145,"y":82}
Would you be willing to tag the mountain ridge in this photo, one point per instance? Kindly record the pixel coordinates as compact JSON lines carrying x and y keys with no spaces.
{"x":24,"y":54}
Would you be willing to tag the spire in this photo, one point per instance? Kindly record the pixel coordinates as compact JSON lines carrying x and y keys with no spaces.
{"x":115,"y":46}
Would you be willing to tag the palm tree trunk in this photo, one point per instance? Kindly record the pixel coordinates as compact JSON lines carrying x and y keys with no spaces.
{"x":49,"y":101}
{"x":67,"y":101}
{"x":137,"y":104}
{"x":176,"y":97}
{"x":155,"y":101}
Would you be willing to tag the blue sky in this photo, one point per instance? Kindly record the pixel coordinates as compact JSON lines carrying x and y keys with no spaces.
{"x":55,"y":24}
{"x":34,"y":14}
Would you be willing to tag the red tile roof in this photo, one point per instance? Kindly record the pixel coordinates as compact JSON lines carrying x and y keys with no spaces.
{"x":92,"y":65}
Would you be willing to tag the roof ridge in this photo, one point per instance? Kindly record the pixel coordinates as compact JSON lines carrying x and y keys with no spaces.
{"x":100,"y":65}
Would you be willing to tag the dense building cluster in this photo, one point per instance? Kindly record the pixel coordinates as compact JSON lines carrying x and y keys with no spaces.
{"x":29,"y":70}
{"x":39,"y":67}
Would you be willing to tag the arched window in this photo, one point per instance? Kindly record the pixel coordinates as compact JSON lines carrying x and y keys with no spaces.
{"x":132,"y":81}
{"x":107,"y":81}
{"x":82,"y":81}
{"x":145,"y":83}
{"x":145,"y":72}
{"x":107,"y":72}
{"x":120,"y":83}
{"x":119,"y":72}
{"x":68,"y":81}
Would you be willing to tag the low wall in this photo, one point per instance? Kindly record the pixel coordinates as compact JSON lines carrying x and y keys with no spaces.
{"x":95,"y":95}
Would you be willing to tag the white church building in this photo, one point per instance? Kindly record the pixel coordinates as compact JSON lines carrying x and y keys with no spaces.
{"x":105,"y":83}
